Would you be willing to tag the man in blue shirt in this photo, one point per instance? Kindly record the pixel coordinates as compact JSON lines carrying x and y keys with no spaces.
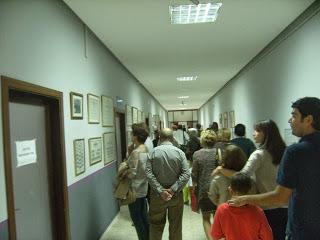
{"x":241,"y":141}
{"x":299,"y":174}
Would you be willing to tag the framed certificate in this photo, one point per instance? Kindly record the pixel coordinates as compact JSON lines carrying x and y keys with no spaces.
{"x":220,"y":119}
{"x":129,"y":138}
{"x":129,"y":115}
{"x":134,"y":115}
{"x":93,"y":108}
{"x":79,"y":156}
{"x":231,"y":119}
{"x":225,"y":119}
{"x":109,"y":147}
{"x":139,"y":116}
{"x":76,"y":105}
{"x":95,"y":150}
{"x":107,"y":111}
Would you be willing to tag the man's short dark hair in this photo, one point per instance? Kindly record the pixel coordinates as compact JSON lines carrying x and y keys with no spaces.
{"x":215,"y":126}
{"x":241,"y":183}
{"x":240,"y":130}
{"x":309,"y":106}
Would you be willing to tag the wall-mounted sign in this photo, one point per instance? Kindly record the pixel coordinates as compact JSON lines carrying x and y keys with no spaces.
{"x":26,"y":152}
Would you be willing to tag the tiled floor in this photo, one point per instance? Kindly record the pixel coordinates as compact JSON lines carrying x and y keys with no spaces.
{"x":122,"y":229}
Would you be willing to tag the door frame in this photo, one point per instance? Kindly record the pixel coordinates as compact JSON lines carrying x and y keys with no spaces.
{"x":123,"y":135}
{"x":58,"y":188}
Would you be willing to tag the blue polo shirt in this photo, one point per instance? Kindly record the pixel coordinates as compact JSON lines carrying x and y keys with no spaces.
{"x":300,"y":171}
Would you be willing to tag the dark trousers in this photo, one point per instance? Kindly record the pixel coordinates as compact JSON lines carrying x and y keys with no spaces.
{"x":139,"y":215}
{"x":277,"y":219}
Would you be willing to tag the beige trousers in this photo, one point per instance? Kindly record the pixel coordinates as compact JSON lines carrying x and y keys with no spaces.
{"x":158,"y":213}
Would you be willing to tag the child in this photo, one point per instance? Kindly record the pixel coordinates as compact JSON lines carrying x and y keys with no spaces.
{"x":233,"y":159}
{"x":246,"y":222}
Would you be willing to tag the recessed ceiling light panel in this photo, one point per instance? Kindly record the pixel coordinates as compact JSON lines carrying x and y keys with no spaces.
{"x":187,"y":78}
{"x":183,"y":97}
{"x":190,"y":13}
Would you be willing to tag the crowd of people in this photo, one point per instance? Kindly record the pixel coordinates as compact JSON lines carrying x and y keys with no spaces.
{"x":263,"y":191}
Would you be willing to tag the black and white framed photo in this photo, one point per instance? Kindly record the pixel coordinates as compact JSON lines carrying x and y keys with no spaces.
{"x":93,"y":108}
{"x":95,"y":150}
{"x":107,"y":113}
{"x":76,"y":105}
{"x":79,"y":156}
{"x":109,"y":147}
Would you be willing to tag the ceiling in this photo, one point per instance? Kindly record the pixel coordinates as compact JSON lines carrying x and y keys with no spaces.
{"x":140,"y":35}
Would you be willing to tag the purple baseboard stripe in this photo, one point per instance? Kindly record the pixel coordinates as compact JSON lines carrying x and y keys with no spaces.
{"x":3,"y":223}
{"x":86,"y":179}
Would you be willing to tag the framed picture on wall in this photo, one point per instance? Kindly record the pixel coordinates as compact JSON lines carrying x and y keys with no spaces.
{"x":109,"y":147}
{"x":139,"y":116}
{"x":107,"y":113}
{"x":220,"y":120}
{"x":225,"y":119}
{"x":95,"y":150}
{"x":128,"y":115}
{"x":129,"y":138}
{"x":231,"y":119}
{"x":79,"y":156}
{"x":93,"y":108}
{"x":76,"y":105}
{"x":134,"y":115}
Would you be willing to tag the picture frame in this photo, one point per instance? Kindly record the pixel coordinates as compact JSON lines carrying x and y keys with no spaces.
{"x":134,"y":115}
{"x":225,"y":119}
{"x":107,"y":111}
{"x":220,"y":119}
{"x":109,"y":147}
{"x":139,"y":116}
{"x":128,"y":115}
{"x":79,"y":156}
{"x":129,"y":138}
{"x":232,"y":119}
{"x":95,"y":150}
{"x":93,"y":108}
{"x":76,"y":105}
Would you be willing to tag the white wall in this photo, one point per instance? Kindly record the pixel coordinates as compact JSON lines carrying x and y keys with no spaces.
{"x":42,"y":42}
{"x":290,"y":71}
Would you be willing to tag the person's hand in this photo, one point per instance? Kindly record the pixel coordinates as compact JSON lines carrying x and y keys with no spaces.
{"x":216,"y":171}
{"x":238,"y":201}
{"x":166,"y":194}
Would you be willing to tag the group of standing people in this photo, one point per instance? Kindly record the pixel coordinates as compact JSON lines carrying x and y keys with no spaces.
{"x":223,"y":174}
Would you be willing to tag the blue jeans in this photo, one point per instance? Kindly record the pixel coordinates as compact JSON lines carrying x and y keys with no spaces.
{"x":138,"y":212}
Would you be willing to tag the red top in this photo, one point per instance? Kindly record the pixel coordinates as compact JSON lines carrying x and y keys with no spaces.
{"x":247,"y":222}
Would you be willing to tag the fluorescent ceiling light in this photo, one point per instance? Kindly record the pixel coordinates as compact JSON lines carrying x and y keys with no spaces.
{"x":190,"y":13}
{"x":188,"y":78}
{"x":183,"y":97}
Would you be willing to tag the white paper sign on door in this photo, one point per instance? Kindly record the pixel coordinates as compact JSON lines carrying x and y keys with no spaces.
{"x":26,"y":152}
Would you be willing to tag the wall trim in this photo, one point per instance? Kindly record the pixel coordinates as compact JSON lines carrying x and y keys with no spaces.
{"x":86,"y":178}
